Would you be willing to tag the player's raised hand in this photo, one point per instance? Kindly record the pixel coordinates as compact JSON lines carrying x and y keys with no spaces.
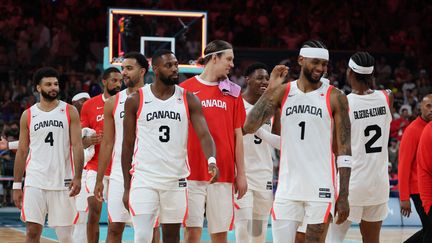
{"x":75,"y":187}
{"x":214,"y":171}
{"x":342,"y":209}
{"x":277,"y":76}
{"x":4,"y":144}
{"x":98,"y":191}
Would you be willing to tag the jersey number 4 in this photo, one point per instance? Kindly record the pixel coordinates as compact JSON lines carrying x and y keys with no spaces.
{"x":49,"y":139}
{"x":373,"y":139}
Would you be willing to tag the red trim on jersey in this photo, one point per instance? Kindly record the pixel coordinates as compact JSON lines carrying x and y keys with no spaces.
{"x":273,"y":214}
{"x":187,"y":208}
{"x":328,"y":101}
{"x":288,"y":88}
{"x":22,"y":206}
{"x":326,"y":216}
{"x":68,"y":114}
{"x":28,"y":119}
{"x":186,"y":104}
{"x":117,"y":97}
{"x":28,"y":159}
{"x":333,"y":172}
{"x":156,"y":225}
{"x":87,"y":189}
{"x":76,"y":218}
{"x":387,"y":97}
{"x":70,"y":144}
{"x":130,"y":206}
{"x":141,"y":102}
{"x":233,"y":215}
{"x":236,"y":206}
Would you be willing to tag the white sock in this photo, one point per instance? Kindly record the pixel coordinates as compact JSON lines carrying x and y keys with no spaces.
{"x":337,"y":232}
{"x":284,"y":231}
{"x":64,"y":233}
{"x":80,"y":229}
{"x":143,"y":227}
{"x":259,"y":230}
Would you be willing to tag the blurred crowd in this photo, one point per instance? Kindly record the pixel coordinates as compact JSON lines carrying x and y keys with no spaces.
{"x":67,"y":34}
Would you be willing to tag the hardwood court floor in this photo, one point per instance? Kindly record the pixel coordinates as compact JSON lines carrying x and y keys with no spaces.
{"x":388,"y":235}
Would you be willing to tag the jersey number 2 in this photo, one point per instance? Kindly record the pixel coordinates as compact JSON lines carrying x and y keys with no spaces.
{"x":165,"y":136}
{"x":49,"y":139}
{"x":373,"y":139}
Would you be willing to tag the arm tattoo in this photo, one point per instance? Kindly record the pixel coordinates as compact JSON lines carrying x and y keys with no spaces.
{"x":344,"y":126}
{"x":261,"y":112}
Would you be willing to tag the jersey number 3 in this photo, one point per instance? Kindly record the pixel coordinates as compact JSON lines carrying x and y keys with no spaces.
{"x":373,"y":139}
{"x":165,"y":136}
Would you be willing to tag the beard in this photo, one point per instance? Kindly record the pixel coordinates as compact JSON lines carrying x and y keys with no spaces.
{"x":169,"y":81}
{"x":308,"y":75}
{"x":49,"y":97}
{"x":113,"y":92}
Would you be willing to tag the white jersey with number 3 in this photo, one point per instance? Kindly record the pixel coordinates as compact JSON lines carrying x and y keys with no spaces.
{"x":258,"y":159}
{"x":370,"y":127}
{"x":160,"y":153}
{"x":307,"y":169}
{"x":118,"y":114}
{"x":49,"y":165}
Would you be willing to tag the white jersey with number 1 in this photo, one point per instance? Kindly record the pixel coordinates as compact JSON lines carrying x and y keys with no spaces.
{"x":307,"y":168}
{"x":370,"y":127}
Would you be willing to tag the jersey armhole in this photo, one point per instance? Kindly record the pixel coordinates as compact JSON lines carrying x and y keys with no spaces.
{"x":186,"y":104}
{"x":328,"y":101}
{"x":28,"y":118}
{"x":287,"y":90}
{"x":68,"y":114}
{"x":141,"y":102}
{"x":386,"y":95}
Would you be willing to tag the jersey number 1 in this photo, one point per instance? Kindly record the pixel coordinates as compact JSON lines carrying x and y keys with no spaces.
{"x":49,"y":139}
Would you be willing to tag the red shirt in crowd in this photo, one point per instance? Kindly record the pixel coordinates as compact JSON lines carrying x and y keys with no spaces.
{"x":223,"y":114}
{"x":92,"y":116}
{"x":424,"y":160}
{"x":407,"y":168}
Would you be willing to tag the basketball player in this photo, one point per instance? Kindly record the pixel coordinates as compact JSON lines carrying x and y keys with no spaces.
{"x":253,"y":210}
{"x":370,"y":117}
{"x":92,"y":116}
{"x":310,"y":110}
{"x":224,"y":111}
{"x":407,"y":167}
{"x":134,"y":68}
{"x":424,"y":157}
{"x":80,"y":231}
{"x":156,"y":121}
{"x":49,"y":135}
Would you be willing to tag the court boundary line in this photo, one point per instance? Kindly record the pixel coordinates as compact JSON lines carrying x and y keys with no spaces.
{"x":22,"y":230}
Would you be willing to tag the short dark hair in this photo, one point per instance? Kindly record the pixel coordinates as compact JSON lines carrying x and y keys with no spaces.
{"x":216,"y":45}
{"x":159,"y":53}
{"x":314,"y":44}
{"x":363,"y":59}
{"x":108,"y":71}
{"x":140,"y":58}
{"x":255,"y":66}
{"x":44,"y":72}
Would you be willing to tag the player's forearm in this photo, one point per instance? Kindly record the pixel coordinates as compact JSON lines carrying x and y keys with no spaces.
{"x":78,"y":155}
{"x":208,"y":146}
{"x":261,"y":112}
{"x":239,"y":155}
{"x":19,"y":166}
{"x":270,"y":138}
{"x":104,"y":159}
{"x":126,"y":163}
{"x":344,"y":176}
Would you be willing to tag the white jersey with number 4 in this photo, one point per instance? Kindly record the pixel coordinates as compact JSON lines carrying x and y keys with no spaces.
{"x":258,"y":159}
{"x":118,"y":114}
{"x":307,"y":168}
{"x":49,"y":164}
{"x":160,"y":156}
{"x":370,"y":127}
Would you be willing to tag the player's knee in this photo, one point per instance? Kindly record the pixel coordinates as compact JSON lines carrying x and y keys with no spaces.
{"x":193,"y":235}
{"x":115,"y":229}
{"x":143,"y":235}
{"x":33,"y":233}
{"x":64,"y":234}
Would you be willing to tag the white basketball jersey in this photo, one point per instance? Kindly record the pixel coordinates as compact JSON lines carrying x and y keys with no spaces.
{"x":258,"y":159}
{"x":307,"y":169}
{"x":49,"y":164}
{"x":160,"y":153}
{"x":118,"y":114}
{"x":370,"y":127}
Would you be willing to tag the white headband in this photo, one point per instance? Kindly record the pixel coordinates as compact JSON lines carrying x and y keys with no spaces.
{"x":215,"y":52}
{"x":359,"y":69}
{"x":313,"y":52}
{"x":80,"y":96}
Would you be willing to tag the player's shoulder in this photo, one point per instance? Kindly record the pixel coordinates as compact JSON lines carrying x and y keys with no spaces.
{"x":188,"y":82}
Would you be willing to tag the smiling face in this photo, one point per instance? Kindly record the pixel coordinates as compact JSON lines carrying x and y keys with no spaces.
{"x":313,"y":68}
{"x":258,"y":81}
